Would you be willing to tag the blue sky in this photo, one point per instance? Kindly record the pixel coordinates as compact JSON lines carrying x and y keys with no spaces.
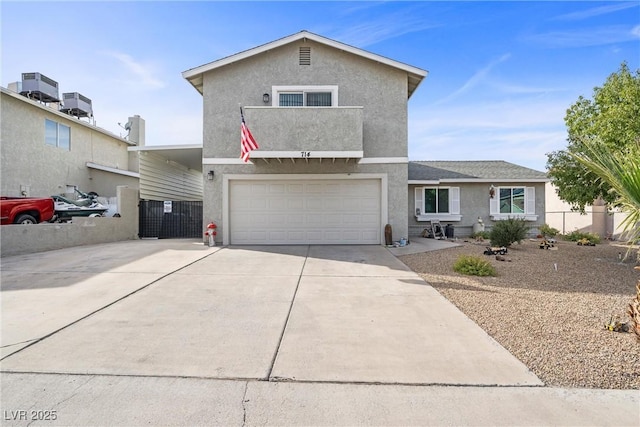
{"x":501,"y":74}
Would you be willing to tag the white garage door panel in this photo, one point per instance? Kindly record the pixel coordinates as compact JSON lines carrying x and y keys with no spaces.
{"x":305,"y":212}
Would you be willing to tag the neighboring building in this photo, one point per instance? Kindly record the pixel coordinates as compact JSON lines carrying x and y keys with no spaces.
{"x":47,"y":152}
{"x":597,"y":218}
{"x":461,"y":192}
{"x":331,"y":123}
{"x":50,"y":147}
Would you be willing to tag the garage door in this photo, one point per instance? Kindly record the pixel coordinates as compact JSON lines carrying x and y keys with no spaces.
{"x":305,"y":212}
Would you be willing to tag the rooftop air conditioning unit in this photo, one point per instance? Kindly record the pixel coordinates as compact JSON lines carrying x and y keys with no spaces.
{"x":40,"y":87}
{"x":77,"y":105}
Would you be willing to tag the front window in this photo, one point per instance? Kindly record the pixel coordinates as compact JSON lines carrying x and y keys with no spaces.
{"x":512,"y":200}
{"x":436,"y":200}
{"x":437,"y":203}
{"x":57,"y":134}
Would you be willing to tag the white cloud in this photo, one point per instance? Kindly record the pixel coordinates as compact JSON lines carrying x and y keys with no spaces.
{"x":476,"y":79}
{"x":143,"y":74}
{"x":520,"y":131}
{"x":513,"y":89}
{"x":382,"y":27}
{"x":585,"y":37}
{"x":595,"y":11}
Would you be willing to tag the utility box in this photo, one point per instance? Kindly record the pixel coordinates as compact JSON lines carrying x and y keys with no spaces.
{"x":77,"y":105}
{"x":40,"y":87}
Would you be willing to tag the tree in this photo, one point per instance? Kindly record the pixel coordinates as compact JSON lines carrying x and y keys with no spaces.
{"x":612,"y":118}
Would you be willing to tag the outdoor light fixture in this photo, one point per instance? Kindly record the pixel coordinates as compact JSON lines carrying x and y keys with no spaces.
{"x":210,"y":176}
{"x":492,"y":191}
{"x":265,"y":98}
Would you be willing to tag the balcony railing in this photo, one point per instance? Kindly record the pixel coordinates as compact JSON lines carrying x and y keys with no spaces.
{"x":309,"y":132}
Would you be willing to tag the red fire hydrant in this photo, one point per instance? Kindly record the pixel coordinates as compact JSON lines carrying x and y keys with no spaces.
{"x":211,"y":233}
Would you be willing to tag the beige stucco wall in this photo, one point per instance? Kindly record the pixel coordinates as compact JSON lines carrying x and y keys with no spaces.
{"x":560,"y":216}
{"x":27,"y":162}
{"x":596,"y":219}
{"x":379,"y":89}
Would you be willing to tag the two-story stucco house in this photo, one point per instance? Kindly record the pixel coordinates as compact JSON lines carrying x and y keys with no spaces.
{"x":331,"y":124}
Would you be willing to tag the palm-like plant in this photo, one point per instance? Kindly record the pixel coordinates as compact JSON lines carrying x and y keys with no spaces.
{"x":621,"y":170}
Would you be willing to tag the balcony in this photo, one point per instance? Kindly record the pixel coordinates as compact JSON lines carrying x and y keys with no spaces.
{"x":306,"y":132}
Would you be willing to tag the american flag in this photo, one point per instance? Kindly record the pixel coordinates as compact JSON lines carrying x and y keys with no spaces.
{"x":247,"y":142}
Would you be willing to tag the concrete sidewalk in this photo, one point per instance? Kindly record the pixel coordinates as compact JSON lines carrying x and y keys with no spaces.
{"x":176,"y":333}
{"x":86,"y":400}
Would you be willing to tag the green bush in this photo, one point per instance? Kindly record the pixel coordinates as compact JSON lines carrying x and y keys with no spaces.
{"x":508,"y":231}
{"x":547,"y":231}
{"x":480,"y":235}
{"x":576,"y":235}
{"x":473,"y":266}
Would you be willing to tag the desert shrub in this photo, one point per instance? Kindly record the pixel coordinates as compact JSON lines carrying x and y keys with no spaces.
{"x":576,"y":235}
{"x":547,"y":231}
{"x":508,"y":231}
{"x":473,"y":266}
{"x":480,"y":235}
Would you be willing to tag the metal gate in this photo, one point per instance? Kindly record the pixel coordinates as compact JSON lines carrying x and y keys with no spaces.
{"x":170,"y":219}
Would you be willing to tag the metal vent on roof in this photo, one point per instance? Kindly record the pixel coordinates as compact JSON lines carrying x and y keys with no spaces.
{"x":305,"y":56}
{"x":77,"y":105}
{"x":40,"y":87}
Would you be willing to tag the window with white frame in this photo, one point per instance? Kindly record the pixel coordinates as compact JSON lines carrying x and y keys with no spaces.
{"x":305,"y":96}
{"x":57,"y":134}
{"x":437,"y":203}
{"x":513,"y":202}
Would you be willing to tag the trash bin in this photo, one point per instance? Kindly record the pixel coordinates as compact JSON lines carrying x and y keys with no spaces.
{"x":448,"y":231}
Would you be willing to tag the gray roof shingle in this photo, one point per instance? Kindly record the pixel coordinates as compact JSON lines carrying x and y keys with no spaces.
{"x":471,"y":170}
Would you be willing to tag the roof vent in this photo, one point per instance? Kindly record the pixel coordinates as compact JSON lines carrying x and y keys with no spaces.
{"x":40,"y":87}
{"x":305,"y":55}
{"x":77,"y":105}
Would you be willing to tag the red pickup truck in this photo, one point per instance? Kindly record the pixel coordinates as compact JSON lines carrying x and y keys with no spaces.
{"x":26,"y":210}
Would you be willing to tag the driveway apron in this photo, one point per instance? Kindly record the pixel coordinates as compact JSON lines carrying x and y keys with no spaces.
{"x":361,"y":315}
{"x":351,"y":314}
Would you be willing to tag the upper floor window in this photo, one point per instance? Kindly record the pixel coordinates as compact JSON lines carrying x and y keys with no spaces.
{"x":305,"y":96}
{"x":57,"y":134}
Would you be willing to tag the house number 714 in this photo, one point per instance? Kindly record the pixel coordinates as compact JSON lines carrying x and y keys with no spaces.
{"x":305,"y":154}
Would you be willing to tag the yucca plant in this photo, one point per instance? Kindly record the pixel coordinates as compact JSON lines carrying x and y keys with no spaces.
{"x":621,"y":170}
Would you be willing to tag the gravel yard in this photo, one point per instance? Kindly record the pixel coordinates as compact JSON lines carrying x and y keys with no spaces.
{"x":551,"y":319}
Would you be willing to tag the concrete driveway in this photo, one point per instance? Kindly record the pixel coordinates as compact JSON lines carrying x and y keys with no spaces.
{"x":172,"y":332}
